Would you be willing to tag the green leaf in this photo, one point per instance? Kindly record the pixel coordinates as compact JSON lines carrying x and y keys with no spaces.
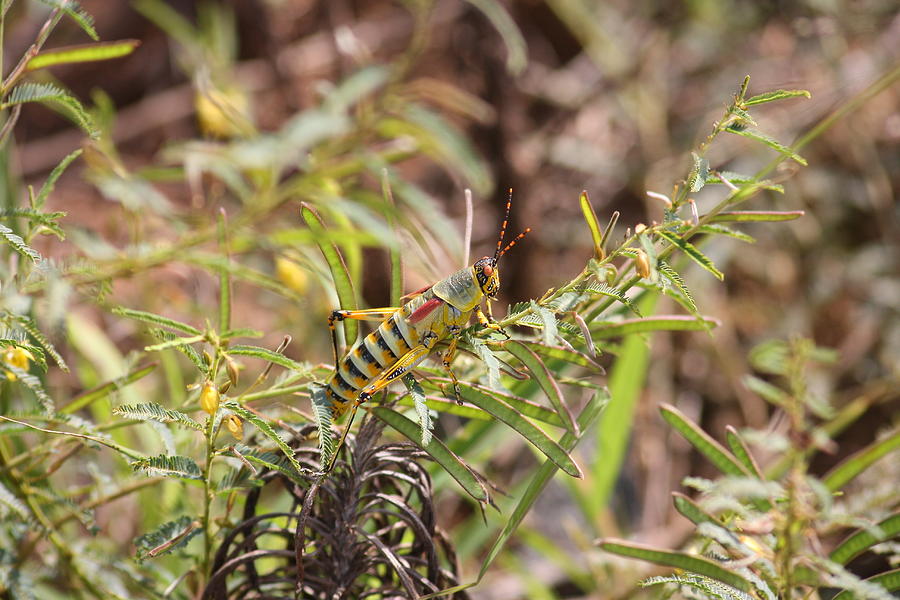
{"x":719,"y":230}
{"x":55,"y":97}
{"x":241,"y":332}
{"x":562,"y":353}
{"x":73,"y":9}
{"x":859,"y":461}
{"x":864,"y":539}
{"x":692,"y":511}
{"x":702,"y":441}
{"x":590,"y":218}
{"x":490,"y":361}
{"x":181,"y":346}
{"x":164,"y":465}
{"x":268,"y":460}
{"x":151,"y":411}
{"x":342,"y":283}
{"x":736,"y":179}
{"x":104,"y":390}
{"x":32,"y":383}
{"x":149,"y":317}
{"x":166,"y":538}
{"x":544,"y":378}
{"x":889,"y":580}
{"x":516,"y":50}
{"x":626,"y":381}
{"x":542,"y":477}
{"x":323,"y":412}
{"x":741,"y":451}
{"x":174,"y":342}
{"x":708,"y":588}
{"x":699,"y":172}
{"x":595,"y":287}
{"x":38,"y":218}
{"x":50,"y":183}
{"x":396,"y":257}
{"x":357,"y":86}
{"x":771,"y":142}
{"x":418,"y":396}
{"x":540,"y":440}
{"x":31,"y":327}
{"x":82,"y":53}
{"x":527,"y":408}
{"x":19,"y":244}
{"x":695,"y":255}
{"x":224,"y":277}
{"x":672,"y":275}
{"x":747,"y":216}
{"x":678,"y":560}
{"x":12,"y":503}
{"x":455,"y":467}
{"x":265,"y":429}
{"x":268,"y":355}
{"x":650,"y":324}
{"x":775,"y":95}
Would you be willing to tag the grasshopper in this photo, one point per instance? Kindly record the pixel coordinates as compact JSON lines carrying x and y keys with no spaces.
{"x":408,"y":334}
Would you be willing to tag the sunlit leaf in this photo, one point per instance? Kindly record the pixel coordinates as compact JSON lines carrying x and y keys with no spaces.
{"x":649,"y":324}
{"x":82,"y":53}
{"x":19,"y":245}
{"x":149,"y":317}
{"x":775,"y":95}
{"x":151,"y":411}
{"x":859,"y":461}
{"x":769,"y":141}
{"x":695,"y":255}
{"x":702,"y":441}
{"x":181,"y":467}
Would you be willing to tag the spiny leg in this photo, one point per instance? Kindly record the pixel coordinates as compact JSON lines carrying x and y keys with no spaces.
{"x":447,"y":358}
{"x":488,"y":321}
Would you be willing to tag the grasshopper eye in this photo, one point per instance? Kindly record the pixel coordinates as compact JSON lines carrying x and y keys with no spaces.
{"x":488,"y":270}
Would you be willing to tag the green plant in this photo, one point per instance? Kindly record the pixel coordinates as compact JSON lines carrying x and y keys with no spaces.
{"x":760,"y":526}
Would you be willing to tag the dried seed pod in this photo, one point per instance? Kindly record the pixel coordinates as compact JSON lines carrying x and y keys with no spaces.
{"x":234,"y":426}
{"x":642,"y":263}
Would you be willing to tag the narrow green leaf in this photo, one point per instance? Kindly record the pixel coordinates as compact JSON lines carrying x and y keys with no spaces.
{"x":741,"y":451}
{"x":746,"y":216}
{"x":862,"y":540}
{"x":769,"y":141}
{"x":266,"y":429}
{"x":82,"y":53}
{"x":672,"y":275}
{"x":342,"y":283}
{"x":516,"y":49}
{"x":186,"y":349}
{"x":528,"y":408}
{"x":148,"y":317}
{"x":224,"y":277}
{"x":695,"y":255}
{"x":719,"y":230}
{"x":678,"y":560}
{"x":544,"y":378}
{"x":549,"y":331}
{"x":73,"y":9}
{"x":163,"y":465}
{"x":775,"y":95}
{"x":151,"y":411}
{"x":243,"y":332}
{"x":487,"y":357}
{"x":38,"y":218}
{"x":166,"y":538}
{"x":54,"y":97}
{"x":442,"y":455}
{"x":268,"y":355}
{"x":650,"y":324}
{"x":889,"y":580}
{"x":418,"y":396}
{"x":691,"y":510}
{"x":859,"y":461}
{"x":542,"y":476}
{"x":591,"y":218}
{"x":595,"y":287}
{"x":736,"y":179}
{"x":323,"y":412}
{"x":626,"y":382}
{"x":32,"y":383}
{"x":174,"y":342}
{"x":540,"y":440}
{"x":564,"y":354}
{"x":702,"y":441}
{"x":104,"y":390}
{"x":19,"y":244}
{"x":31,"y":327}
{"x":50,"y":183}
{"x":396,"y":258}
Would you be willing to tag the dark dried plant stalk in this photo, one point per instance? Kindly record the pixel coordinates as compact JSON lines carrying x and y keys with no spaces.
{"x":367,"y":530}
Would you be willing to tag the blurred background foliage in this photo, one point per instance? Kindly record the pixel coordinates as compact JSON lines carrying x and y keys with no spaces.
{"x":222,"y":100}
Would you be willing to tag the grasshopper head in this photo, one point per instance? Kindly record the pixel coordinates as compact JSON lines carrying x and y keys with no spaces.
{"x":488,"y":276}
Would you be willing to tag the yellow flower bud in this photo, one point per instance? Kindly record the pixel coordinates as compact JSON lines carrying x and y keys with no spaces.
{"x":642,"y":263}
{"x":209,"y":397}
{"x":16,"y":357}
{"x":291,"y":274}
{"x":234,"y":426}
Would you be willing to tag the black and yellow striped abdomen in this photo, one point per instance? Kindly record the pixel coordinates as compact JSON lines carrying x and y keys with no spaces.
{"x":371,"y":355}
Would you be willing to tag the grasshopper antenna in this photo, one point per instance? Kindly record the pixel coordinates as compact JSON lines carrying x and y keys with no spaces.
{"x":515,"y":241}
{"x":497,"y":253}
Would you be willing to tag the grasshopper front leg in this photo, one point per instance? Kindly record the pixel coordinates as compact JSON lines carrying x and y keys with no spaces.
{"x":369,"y":314}
{"x":488,"y":321}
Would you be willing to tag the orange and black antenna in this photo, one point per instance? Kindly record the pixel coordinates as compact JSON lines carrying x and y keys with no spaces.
{"x":498,"y":252}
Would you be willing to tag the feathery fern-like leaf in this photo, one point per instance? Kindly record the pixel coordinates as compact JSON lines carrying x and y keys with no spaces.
{"x":151,"y":411}
{"x":324,"y":415}
{"x":19,"y":244}
{"x":605,"y":290}
{"x":73,"y":9}
{"x":181,"y":467}
{"x":265,"y":429}
{"x":166,"y":538}
{"x":418,"y":396}
{"x":54,"y":97}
